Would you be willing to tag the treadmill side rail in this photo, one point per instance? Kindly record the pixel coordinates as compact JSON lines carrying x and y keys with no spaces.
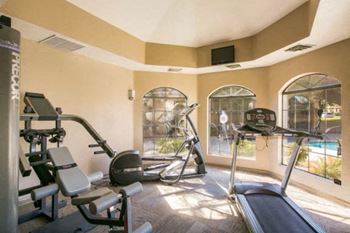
{"x":304,"y":215}
{"x":248,"y":214}
{"x":291,"y":163}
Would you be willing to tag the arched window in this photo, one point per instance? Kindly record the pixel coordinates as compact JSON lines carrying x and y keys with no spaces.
{"x":313,"y":103}
{"x":226,"y":110}
{"x":160,"y":107}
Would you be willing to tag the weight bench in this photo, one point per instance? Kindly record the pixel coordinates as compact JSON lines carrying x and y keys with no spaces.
{"x":92,"y":204}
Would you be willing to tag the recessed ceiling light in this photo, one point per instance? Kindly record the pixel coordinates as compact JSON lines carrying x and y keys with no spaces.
{"x":174,"y":69}
{"x":299,"y":47}
{"x":233,"y":66}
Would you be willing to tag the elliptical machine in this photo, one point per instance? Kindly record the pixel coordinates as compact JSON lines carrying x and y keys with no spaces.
{"x":127,"y":167}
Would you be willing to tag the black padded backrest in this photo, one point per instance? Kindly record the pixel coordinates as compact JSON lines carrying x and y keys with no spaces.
{"x":40,"y":106}
{"x":69,"y":177}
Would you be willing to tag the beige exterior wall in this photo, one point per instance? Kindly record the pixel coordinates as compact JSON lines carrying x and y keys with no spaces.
{"x":85,"y":87}
{"x":146,"y":81}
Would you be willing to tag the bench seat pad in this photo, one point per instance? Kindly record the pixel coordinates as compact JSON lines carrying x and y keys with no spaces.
{"x":72,"y":181}
{"x":88,"y":197}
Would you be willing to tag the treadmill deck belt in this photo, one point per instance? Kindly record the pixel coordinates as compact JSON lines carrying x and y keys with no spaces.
{"x":276,"y":215}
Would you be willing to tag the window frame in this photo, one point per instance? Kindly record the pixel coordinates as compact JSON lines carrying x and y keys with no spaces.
{"x":144,"y":124}
{"x":283,"y":109}
{"x":209,"y":112}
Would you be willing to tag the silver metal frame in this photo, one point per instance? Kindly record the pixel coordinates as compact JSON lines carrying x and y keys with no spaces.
{"x":291,"y":163}
{"x":241,"y":201}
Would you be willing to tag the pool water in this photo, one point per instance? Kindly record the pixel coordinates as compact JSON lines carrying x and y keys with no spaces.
{"x":328,"y":145}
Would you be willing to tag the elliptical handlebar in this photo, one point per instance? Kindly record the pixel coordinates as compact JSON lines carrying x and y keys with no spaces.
{"x":188,"y":110}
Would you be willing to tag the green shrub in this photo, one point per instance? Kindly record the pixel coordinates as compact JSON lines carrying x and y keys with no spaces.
{"x":246,"y":148}
{"x":167,"y":146}
{"x":303,"y":154}
{"x":333,"y":166}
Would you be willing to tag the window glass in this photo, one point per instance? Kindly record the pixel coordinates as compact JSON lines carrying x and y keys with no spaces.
{"x":313,"y":103}
{"x":226,"y":110}
{"x":160,"y":109}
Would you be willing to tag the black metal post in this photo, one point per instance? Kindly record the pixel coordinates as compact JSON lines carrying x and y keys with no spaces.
{"x":9,"y":115}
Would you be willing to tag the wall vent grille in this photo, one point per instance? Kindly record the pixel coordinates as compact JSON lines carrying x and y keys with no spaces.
{"x":233,"y":66}
{"x":61,"y":43}
{"x":174,"y":69}
{"x":299,"y":47}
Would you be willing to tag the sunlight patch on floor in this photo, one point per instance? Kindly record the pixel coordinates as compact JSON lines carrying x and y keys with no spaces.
{"x":197,"y":202}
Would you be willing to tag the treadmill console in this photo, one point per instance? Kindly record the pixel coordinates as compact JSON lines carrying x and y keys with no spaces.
{"x":260,"y":119}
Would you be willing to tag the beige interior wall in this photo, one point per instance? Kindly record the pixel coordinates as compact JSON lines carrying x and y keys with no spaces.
{"x":161,"y":54}
{"x":69,"y":20}
{"x":291,"y":28}
{"x":267,"y":84}
{"x":2,"y":2}
{"x":98,"y":92}
{"x":333,"y":60}
{"x":146,"y":81}
{"x":85,"y":87}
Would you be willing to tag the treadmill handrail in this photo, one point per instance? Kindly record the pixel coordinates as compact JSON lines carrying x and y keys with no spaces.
{"x":277,"y":131}
{"x":88,"y":127}
{"x":242,"y":131}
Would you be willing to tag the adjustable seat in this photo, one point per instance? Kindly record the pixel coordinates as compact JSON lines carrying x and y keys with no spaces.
{"x":75,"y":184}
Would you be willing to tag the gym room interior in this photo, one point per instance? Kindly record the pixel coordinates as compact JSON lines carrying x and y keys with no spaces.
{"x":152,"y":76}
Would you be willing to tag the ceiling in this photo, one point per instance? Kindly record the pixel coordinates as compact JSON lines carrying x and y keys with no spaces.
{"x":331,"y":25}
{"x":191,"y":23}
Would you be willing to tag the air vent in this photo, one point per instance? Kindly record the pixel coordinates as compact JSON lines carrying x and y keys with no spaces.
{"x":299,"y":47}
{"x":233,"y":66}
{"x":174,"y":69}
{"x":60,"y":43}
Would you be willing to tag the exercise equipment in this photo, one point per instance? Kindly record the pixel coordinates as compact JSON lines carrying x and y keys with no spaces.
{"x":75,"y":184}
{"x":37,"y":160}
{"x":60,"y":173}
{"x":39,"y":108}
{"x":127,"y":167}
{"x":266,"y":207}
{"x":9,"y":115}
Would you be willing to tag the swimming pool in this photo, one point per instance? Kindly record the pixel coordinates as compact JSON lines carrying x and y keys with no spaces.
{"x":328,"y":145}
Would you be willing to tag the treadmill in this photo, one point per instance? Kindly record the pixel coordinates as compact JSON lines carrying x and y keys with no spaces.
{"x":265,"y":207}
